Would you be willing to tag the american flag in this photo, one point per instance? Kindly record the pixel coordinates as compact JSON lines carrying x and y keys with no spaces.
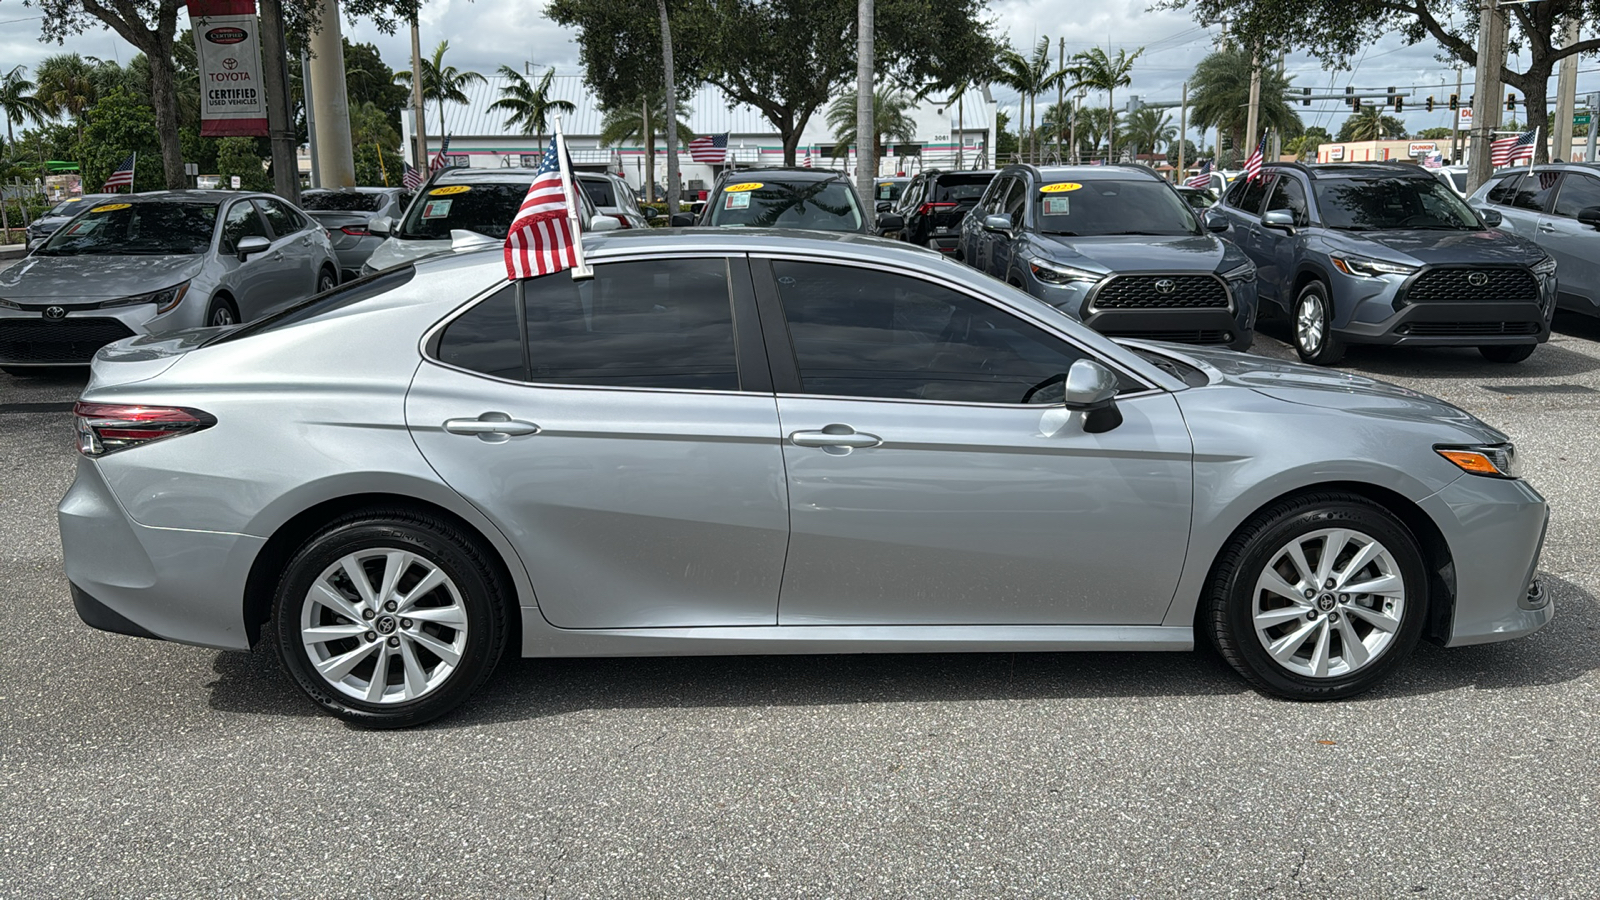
{"x":441,"y":160}
{"x":712,"y":148}
{"x":1203,"y":179}
{"x":543,"y":237}
{"x":1508,"y":150}
{"x":807,"y":162}
{"x":412,"y":179}
{"x":1252,"y":164}
{"x":1434,"y":160}
{"x":122,"y":176}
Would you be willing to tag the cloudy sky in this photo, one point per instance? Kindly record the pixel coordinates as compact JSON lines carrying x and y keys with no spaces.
{"x":483,"y":34}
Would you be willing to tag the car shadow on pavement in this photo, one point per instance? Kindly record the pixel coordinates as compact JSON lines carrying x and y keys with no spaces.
{"x":1549,"y":361}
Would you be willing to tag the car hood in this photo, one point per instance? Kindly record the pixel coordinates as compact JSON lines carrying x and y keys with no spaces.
{"x":1136,"y":253}
{"x":1490,"y":246}
{"x":1306,"y":385}
{"x":69,"y":279}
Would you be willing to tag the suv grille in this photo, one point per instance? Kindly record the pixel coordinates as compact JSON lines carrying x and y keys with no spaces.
{"x":1469,"y":329}
{"x":70,"y":340}
{"x":1145,"y":292}
{"x":1453,"y":286}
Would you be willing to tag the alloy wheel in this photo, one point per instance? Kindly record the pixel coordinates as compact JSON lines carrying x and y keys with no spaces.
{"x":222,"y":315}
{"x":325,"y":283}
{"x":384,"y":625}
{"x":1329,"y":603}
{"x":1308,"y":324}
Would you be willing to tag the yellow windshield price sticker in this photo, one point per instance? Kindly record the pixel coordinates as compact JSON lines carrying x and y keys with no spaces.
{"x":450,"y":189}
{"x":110,"y":207}
{"x":747,"y":186}
{"x":1059,"y":187}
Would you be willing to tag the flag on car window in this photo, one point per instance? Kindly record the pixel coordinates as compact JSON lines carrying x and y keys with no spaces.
{"x":712,"y":148}
{"x":1510,"y":150}
{"x":122,"y":176}
{"x":412,"y":179}
{"x":1252,"y":165}
{"x":1203,"y":179}
{"x":544,"y":236}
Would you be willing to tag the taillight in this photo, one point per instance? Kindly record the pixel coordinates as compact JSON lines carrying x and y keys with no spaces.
{"x":108,"y":427}
{"x":356,"y":230}
{"x":927,"y":209}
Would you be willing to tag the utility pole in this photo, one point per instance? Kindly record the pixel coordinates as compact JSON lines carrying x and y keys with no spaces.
{"x":1487,"y":86}
{"x":311,"y":117}
{"x":1061,"y":95}
{"x":866,"y":128}
{"x":280,"y":130}
{"x":419,"y":122}
{"x":649,"y":151}
{"x":672,"y":110}
{"x":1455,"y":123}
{"x":1253,"y":116}
{"x":1566,"y":98}
{"x":1594,"y":126}
{"x":1183,"y":134}
{"x":332,"y":105}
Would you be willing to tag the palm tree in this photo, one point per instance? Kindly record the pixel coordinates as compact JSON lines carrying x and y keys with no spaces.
{"x":1370,"y":124}
{"x":1029,"y":76}
{"x":626,"y":124}
{"x":1055,"y":125}
{"x":1148,"y":129}
{"x":1219,"y":97}
{"x":17,"y":101}
{"x":529,"y":105}
{"x":890,"y":118}
{"x":441,"y":82}
{"x":1092,"y":130}
{"x":1098,"y":70}
{"x":66,"y":86}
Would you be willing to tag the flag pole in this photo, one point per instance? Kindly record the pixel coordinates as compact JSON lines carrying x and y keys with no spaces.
{"x":133,"y":171}
{"x":581,"y":270}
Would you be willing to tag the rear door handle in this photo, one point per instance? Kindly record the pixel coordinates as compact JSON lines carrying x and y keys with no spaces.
{"x":842,"y":436}
{"x":494,"y":427}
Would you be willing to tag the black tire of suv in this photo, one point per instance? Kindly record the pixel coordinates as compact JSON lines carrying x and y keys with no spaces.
{"x":1331,"y":349}
{"x":1507,"y":353}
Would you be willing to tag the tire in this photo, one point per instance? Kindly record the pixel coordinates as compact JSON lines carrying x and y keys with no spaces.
{"x":1334,"y":644}
{"x":221,"y":313}
{"x":454,"y":637}
{"x":327,"y":280}
{"x":1311,"y":326}
{"x":1507,"y":353}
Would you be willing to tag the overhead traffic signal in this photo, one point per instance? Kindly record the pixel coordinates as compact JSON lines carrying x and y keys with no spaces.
{"x":1305,"y":96}
{"x":1455,"y":102}
{"x":1399,"y":104}
{"x":1428,"y":104}
{"x":1511,"y":101}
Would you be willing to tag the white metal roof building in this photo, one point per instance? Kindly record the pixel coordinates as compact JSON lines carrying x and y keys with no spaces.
{"x":946,"y":134}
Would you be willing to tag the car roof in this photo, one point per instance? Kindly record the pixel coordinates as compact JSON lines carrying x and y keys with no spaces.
{"x":1376,"y":169}
{"x":782,"y":173}
{"x":191,"y":196}
{"x":349,"y":190}
{"x":1087,"y":173}
{"x":506,"y":175}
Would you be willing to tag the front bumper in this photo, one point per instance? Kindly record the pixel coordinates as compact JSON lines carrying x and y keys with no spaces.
{"x":1373,"y":313}
{"x":1231,"y":326}
{"x":1495,"y":528}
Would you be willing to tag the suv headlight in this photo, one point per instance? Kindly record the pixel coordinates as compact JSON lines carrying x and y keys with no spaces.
{"x":1368,"y":267}
{"x":7,"y":304}
{"x":1491,"y":460}
{"x":164,"y":299}
{"x":1246,"y":272}
{"x":1055,"y":273}
{"x":1546,"y":266}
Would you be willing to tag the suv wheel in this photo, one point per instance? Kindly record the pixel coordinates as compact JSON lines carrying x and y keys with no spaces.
{"x":1504,"y":353}
{"x":1314,"y":339}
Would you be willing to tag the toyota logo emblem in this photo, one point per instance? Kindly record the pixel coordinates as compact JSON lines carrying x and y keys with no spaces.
{"x":1477,"y":279}
{"x":1166,"y":286}
{"x":55,"y":312}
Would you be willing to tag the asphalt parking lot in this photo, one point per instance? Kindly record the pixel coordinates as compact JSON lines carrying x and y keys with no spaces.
{"x":138,"y":768}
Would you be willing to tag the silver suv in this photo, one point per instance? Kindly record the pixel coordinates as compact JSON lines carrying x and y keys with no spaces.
{"x":1558,"y":208}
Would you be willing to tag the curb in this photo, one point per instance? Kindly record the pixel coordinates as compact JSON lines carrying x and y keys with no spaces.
{"x":13,"y":251}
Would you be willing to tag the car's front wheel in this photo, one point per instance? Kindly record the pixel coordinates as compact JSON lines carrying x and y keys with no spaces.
{"x":1319,"y":597}
{"x":1314,"y":339}
{"x":390,"y":618}
{"x":1503,"y":353}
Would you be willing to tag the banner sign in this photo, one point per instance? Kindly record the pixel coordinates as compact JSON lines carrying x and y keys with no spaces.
{"x":233,"y":100}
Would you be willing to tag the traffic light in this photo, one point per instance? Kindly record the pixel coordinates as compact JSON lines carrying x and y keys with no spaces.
{"x":1428,"y":104}
{"x":1455,"y":102}
{"x":1355,"y":102}
{"x":1399,"y":104}
{"x":1511,"y":101}
{"x":1305,"y":96}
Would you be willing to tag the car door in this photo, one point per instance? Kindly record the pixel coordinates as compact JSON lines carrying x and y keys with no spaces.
{"x":294,"y":257}
{"x":1513,"y":197}
{"x":1244,"y":204}
{"x":628,"y":447}
{"x":926,"y":485}
{"x":1003,"y":252}
{"x":1275,"y":249}
{"x":994,"y":204}
{"x":1575,"y":246}
{"x":250,"y":281}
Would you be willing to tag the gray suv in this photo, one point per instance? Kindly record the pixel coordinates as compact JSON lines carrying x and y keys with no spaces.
{"x":1558,"y":208}
{"x":1380,"y":253}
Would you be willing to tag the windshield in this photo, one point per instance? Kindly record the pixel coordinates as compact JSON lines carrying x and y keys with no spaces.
{"x":341,"y":201}
{"x":1113,"y":207}
{"x":1379,"y":204}
{"x":820,"y":205}
{"x":136,"y":229}
{"x":484,"y":208}
{"x":961,"y":188}
{"x":66,"y":207}
{"x":599,"y":191}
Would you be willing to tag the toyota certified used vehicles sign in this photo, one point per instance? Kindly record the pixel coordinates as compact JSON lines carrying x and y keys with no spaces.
{"x":232,"y":102}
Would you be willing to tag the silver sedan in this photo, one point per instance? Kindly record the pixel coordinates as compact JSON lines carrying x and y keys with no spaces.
{"x":752,"y":442}
{"x":155,"y":263}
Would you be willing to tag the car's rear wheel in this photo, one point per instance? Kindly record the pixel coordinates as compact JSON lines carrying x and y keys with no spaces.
{"x":1314,"y":339}
{"x":327,"y":280}
{"x":222,"y":313}
{"x":1319,"y":597}
{"x":1507,"y":353}
{"x":390,"y":618}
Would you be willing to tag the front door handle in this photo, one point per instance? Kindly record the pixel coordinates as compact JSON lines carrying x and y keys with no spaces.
{"x":493,"y":427}
{"x":835,"y":436}
{"x":1546,"y":229}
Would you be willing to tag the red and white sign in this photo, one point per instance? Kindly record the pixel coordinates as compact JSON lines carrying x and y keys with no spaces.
{"x":233,"y":101}
{"x":1335,"y":154}
{"x":1464,"y":118}
{"x":1421,"y":148}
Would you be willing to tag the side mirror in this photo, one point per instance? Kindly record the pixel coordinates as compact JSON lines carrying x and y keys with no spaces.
{"x":682,"y":220}
{"x":884,"y":206}
{"x":892,"y":222}
{"x":380,"y":225}
{"x":650,"y":212}
{"x":1590,"y":215}
{"x":1216,"y":222}
{"x":999,"y":223}
{"x":250,"y":246}
{"x":1092,"y":388}
{"x":1279,"y":219}
{"x":602,"y":222}
{"x":1492,"y":217}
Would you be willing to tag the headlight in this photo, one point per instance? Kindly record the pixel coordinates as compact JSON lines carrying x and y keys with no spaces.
{"x":1054,"y":273}
{"x":1546,"y":266}
{"x":1492,"y":460}
{"x":1246,"y":272}
{"x":7,"y":304}
{"x":1369,"y":268}
{"x":164,"y":299}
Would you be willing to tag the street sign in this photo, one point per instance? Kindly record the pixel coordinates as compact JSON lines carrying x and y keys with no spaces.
{"x":1464,"y":118}
{"x":1580,"y":118}
{"x":233,"y":181}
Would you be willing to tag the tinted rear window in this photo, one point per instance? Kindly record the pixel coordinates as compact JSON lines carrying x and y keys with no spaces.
{"x":960,"y":188}
{"x":341,"y":201}
{"x":599,"y":191}
{"x":821,"y":205}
